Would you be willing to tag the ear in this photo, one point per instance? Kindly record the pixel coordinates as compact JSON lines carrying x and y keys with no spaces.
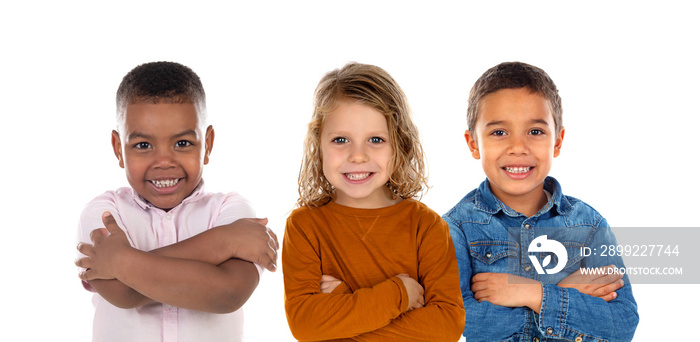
{"x":473,"y":146}
{"x":208,"y":143}
{"x":558,"y":142}
{"x":117,"y":147}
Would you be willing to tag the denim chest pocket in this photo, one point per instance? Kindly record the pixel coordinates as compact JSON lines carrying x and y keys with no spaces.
{"x":491,"y":255}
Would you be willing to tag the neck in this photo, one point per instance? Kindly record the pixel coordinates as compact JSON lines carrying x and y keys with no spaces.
{"x":527,"y":204}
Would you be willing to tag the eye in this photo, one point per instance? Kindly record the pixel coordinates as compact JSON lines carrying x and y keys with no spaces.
{"x":340,"y":140}
{"x":498,"y":132}
{"x":142,"y":145}
{"x":376,"y":140}
{"x":536,"y":131}
{"x":183,"y":143}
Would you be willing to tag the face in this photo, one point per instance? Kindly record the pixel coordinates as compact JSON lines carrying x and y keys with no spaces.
{"x":356,"y":152}
{"x":516,"y":140}
{"x":163,"y":150}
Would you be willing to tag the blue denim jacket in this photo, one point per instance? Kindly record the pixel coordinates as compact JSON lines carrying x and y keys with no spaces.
{"x":479,"y":225}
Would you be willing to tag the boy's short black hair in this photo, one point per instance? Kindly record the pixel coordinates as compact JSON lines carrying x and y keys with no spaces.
{"x":510,"y":75}
{"x":161,"y":82}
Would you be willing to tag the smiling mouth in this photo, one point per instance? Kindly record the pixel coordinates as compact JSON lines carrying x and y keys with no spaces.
{"x":519,"y":169}
{"x":358,"y":175}
{"x":165,"y":183}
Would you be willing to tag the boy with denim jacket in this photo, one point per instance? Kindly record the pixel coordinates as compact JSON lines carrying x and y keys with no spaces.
{"x":515,"y":129}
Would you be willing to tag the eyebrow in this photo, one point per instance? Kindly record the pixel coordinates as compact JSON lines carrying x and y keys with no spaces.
{"x":533,"y":121}
{"x":137,"y":134}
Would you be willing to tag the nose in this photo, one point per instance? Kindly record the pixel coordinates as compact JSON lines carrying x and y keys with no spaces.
{"x":164,"y":158}
{"x":358,"y":153}
{"x":517,"y":144}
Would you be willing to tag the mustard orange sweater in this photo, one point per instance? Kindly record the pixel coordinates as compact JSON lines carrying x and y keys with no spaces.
{"x":366,"y":249}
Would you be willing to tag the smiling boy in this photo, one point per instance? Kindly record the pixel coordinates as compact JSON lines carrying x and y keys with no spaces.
{"x":173,"y":262}
{"x":515,"y":129}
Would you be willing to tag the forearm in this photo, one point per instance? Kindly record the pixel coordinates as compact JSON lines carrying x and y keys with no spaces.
{"x":187,"y":283}
{"x":211,"y":246}
{"x":441,"y":321}
{"x":587,"y":315}
{"x":118,"y":294}
{"x":322,"y":316}
{"x":489,"y":322}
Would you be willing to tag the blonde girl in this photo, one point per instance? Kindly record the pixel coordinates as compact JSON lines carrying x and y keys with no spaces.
{"x":362,"y":258}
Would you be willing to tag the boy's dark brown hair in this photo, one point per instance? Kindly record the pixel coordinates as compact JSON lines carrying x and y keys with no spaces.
{"x":510,"y":75}
{"x":161,"y":82}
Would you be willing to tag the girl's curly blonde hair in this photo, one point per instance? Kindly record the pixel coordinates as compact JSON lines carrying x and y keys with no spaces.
{"x":374,"y":87}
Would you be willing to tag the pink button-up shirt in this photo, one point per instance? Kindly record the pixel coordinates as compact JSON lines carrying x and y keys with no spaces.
{"x":148,"y":228}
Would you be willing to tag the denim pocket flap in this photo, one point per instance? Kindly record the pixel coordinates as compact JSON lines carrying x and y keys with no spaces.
{"x":492,"y":251}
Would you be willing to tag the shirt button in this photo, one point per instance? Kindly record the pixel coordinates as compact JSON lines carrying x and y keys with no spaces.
{"x":550,"y":331}
{"x":536,"y":339}
{"x":488,"y":255}
{"x":527,"y":225}
{"x":578,"y":339}
{"x":527,"y":268}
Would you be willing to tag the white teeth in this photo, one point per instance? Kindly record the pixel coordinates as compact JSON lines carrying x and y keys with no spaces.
{"x":520,"y":169}
{"x":165,"y":183}
{"x":357,"y":176}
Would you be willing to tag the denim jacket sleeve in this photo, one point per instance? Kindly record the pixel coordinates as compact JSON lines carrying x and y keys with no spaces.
{"x":484,"y":321}
{"x":566,"y":313}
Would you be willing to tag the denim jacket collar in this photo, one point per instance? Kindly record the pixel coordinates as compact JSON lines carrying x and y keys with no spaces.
{"x":487,"y":202}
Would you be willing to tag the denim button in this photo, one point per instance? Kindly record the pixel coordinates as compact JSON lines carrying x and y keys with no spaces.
{"x":527,"y":269}
{"x":550,"y":331}
{"x":536,"y":339}
{"x":488,"y":255}
{"x":578,"y":339}
{"x":527,"y":225}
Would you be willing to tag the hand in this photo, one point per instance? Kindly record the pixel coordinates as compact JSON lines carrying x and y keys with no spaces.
{"x":415,"y":292}
{"x":253,"y":241}
{"x":329,"y":283}
{"x":103,"y":255}
{"x":601,"y":285}
{"x":495,"y":289}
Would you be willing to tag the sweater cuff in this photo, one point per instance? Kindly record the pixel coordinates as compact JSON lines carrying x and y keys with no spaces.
{"x":402,"y":304}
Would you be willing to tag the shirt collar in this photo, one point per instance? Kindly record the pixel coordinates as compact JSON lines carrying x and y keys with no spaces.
{"x":145,"y":205}
{"x":486,"y":201}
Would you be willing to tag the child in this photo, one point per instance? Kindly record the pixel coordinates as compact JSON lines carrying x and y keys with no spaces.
{"x":186,"y":289}
{"x":515,"y":128}
{"x":363,"y":260}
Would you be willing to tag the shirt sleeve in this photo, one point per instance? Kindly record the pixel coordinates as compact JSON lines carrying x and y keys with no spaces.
{"x":483,"y":321}
{"x":442,"y":316}
{"x":567,"y":313}
{"x":313,"y":315}
{"x":233,"y":208}
{"x":91,"y":219}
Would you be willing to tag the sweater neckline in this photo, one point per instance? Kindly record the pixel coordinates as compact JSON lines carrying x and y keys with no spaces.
{"x":345,"y":210}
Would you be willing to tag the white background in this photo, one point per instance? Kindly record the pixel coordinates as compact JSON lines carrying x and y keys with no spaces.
{"x":627,"y":73}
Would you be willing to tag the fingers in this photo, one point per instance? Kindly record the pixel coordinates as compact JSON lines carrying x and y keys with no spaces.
{"x":262,"y":221}
{"x":326,"y":277}
{"x":329,"y":283}
{"x":271,"y":254}
{"x":83,"y":262}
{"x":110,"y":223}
{"x":83,"y":275}
{"x":273,"y":237}
{"x":85,"y":248}
{"x":610,"y":296}
{"x":605,"y":291}
{"x":98,"y":233}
